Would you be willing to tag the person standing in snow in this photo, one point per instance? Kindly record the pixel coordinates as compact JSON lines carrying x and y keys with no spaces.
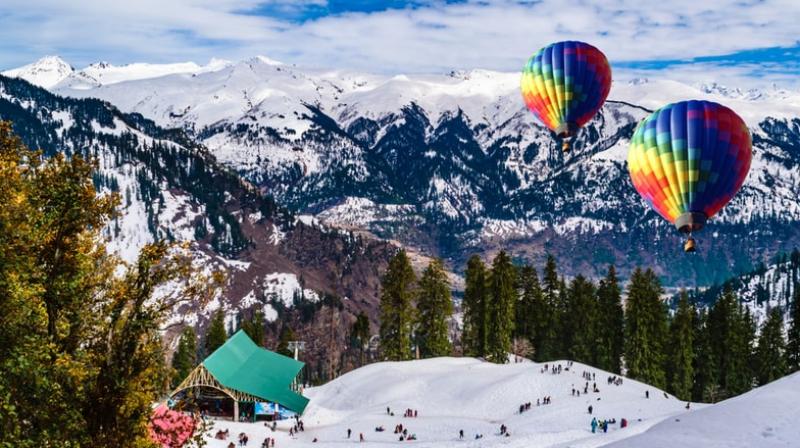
{"x":590,"y":409}
{"x":594,"y":425}
{"x":361,"y":437}
{"x":349,"y":431}
{"x":460,"y":434}
{"x":647,"y":394}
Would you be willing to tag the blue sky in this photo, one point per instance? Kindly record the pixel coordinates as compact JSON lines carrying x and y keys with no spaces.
{"x":747,"y":42}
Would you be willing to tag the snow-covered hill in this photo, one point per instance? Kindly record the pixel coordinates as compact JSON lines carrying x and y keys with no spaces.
{"x":451,"y":394}
{"x":764,"y":417}
{"x":453,"y":164}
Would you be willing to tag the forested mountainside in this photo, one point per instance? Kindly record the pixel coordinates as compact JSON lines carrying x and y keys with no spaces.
{"x":453,"y":164}
{"x":171,"y":188}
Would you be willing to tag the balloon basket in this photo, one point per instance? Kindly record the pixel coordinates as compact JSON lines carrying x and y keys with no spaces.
{"x":689,"y":247}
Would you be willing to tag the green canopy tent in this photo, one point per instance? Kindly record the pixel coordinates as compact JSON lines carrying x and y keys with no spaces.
{"x":245,"y":372}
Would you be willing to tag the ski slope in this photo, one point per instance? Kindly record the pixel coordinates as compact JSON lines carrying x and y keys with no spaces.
{"x":464,"y":393}
{"x":764,"y":417}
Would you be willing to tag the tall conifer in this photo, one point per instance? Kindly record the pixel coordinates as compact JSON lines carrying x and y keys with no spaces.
{"x":502,"y":295}
{"x":474,"y":308}
{"x":770,"y":355}
{"x":793,"y":344}
{"x":611,"y":319}
{"x":680,"y":368}
{"x":395,"y":308}
{"x":434,"y":308}
{"x":645,"y":329}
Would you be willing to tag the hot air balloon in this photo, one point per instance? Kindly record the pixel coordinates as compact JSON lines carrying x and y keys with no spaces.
{"x":687,"y":160}
{"x":565,"y":84}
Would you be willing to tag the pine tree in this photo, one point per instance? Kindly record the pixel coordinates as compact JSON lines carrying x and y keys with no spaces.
{"x":395,"y":308}
{"x":502,"y":295}
{"x":185,"y":358}
{"x":579,"y":322}
{"x":287,"y":335}
{"x":793,"y":344}
{"x":680,"y":368}
{"x":645,"y":329}
{"x":770,"y":355}
{"x":731,"y":334}
{"x":705,"y":381}
{"x":530,"y":298}
{"x":254,"y":327}
{"x":216,"y":335}
{"x":434,"y":308}
{"x":359,"y":336}
{"x":611,"y":319}
{"x":474,"y":308}
{"x":547,"y":329}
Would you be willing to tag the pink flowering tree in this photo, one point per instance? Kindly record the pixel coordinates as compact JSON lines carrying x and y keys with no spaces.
{"x":170,"y":429}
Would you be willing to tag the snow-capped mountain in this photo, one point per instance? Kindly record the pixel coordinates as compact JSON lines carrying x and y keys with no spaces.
{"x":46,"y":72}
{"x":171,"y":188}
{"x":453,"y":164}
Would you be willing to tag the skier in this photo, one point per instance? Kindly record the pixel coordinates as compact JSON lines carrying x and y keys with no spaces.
{"x":349,"y":431}
{"x":590,"y":409}
{"x":605,"y":426}
{"x":687,"y":405}
{"x":361,"y":437}
{"x":623,"y":423}
{"x":460,"y":434}
{"x":647,"y":394}
{"x":594,"y":425}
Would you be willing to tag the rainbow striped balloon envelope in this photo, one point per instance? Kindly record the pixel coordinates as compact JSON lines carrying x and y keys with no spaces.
{"x":564,"y":84}
{"x":688,"y":159}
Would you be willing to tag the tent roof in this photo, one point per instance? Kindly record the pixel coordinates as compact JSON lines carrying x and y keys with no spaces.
{"x":242,"y":365}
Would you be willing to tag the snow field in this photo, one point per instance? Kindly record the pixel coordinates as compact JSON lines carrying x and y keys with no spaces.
{"x":764,"y":417}
{"x":464,"y":393}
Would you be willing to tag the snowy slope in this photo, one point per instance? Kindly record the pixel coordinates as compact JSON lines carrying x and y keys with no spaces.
{"x":765,"y":417}
{"x":464,"y":393}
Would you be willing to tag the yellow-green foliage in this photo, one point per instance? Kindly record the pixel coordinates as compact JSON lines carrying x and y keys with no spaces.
{"x":81,"y":359}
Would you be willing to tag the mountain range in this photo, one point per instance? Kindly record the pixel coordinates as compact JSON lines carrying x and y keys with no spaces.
{"x":300,"y":183}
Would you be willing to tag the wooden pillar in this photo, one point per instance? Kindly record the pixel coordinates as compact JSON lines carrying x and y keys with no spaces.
{"x":236,"y":410}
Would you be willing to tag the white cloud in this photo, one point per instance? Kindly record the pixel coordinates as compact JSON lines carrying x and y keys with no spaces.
{"x":496,"y":35}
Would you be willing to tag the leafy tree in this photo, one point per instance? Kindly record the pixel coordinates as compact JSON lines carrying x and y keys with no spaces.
{"x":216,"y":335}
{"x":502,"y":295}
{"x":185,"y":358}
{"x":645,"y":329}
{"x":579,"y":321}
{"x":770,"y":355}
{"x":395,"y":308}
{"x":611,"y":319}
{"x":793,"y":345}
{"x":474,"y":308}
{"x":680,"y":369}
{"x":434,"y":308}
{"x":81,"y":360}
